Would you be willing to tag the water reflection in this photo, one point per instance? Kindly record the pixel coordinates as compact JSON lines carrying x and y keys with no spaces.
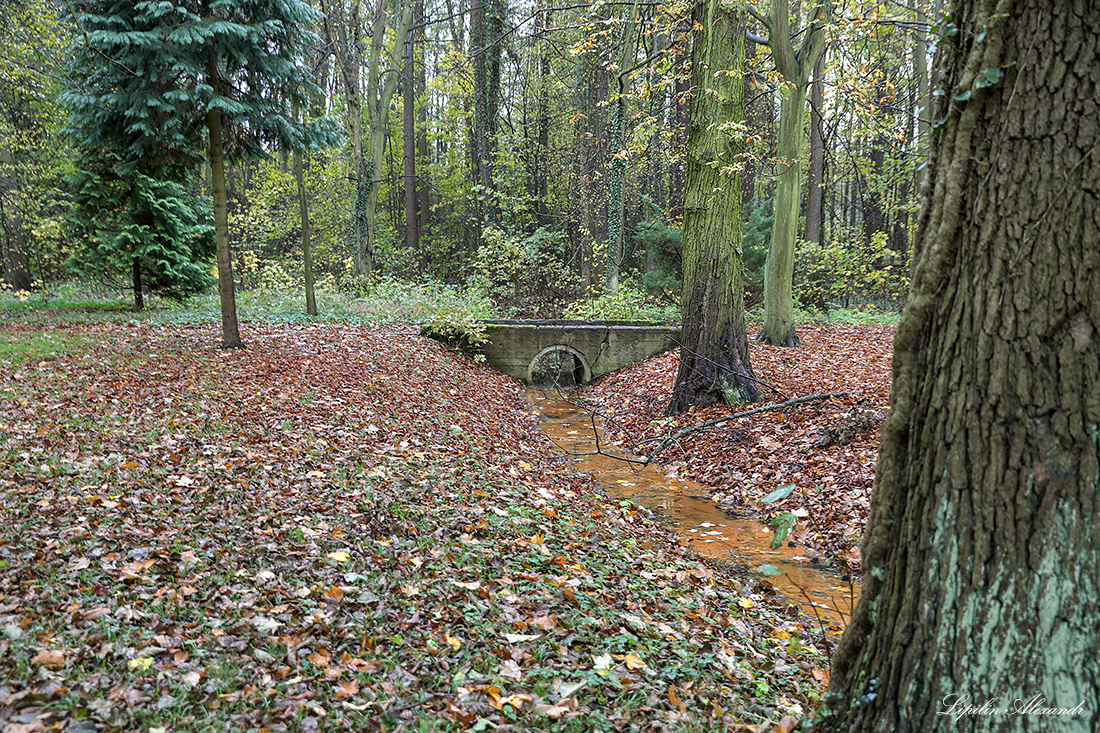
{"x":688,"y":509}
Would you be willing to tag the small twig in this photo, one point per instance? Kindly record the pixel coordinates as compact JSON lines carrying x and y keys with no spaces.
{"x":675,"y":437}
{"x":593,"y":414}
{"x":820,"y":623}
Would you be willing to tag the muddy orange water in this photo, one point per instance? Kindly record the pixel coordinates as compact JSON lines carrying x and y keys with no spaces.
{"x":688,"y":509}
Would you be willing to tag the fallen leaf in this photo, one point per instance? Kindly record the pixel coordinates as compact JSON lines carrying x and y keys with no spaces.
{"x":348,"y":688}
{"x":139,"y":664}
{"x":50,"y":658}
{"x":786,"y":724}
{"x":510,"y":670}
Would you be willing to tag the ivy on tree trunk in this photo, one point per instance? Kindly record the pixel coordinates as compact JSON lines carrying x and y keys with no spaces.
{"x":714,"y":355}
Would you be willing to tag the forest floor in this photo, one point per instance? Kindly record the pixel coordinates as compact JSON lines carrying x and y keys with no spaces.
{"x":343,"y":528}
{"x":825,"y":449}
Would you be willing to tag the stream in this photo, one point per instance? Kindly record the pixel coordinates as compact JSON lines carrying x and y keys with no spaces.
{"x":687,"y":508}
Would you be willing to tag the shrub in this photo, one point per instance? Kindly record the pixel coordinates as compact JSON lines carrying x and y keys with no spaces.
{"x":628,"y":304}
{"x":529,"y":272}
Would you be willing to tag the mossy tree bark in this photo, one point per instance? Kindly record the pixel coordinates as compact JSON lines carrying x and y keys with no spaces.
{"x":982,"y":550}
{"x":795,"y":65}
{"x":714,"y":356}
{"x":617,"y":149}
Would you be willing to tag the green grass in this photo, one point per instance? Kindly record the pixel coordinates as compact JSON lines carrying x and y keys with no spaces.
{"x":867,"y":314}
{"x":378,"y":302}
{"x":18,"y":349}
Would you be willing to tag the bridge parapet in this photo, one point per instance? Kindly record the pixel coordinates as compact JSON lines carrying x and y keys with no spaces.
{"x":599,"y":347}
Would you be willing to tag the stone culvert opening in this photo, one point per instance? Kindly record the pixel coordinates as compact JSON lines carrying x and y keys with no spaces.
{"x":559,"y":366}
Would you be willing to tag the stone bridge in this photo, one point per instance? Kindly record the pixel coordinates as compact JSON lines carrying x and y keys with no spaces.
{"x":572,"y":352}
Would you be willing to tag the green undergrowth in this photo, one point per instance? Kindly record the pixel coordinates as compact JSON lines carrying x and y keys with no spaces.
{"x":379,"y":301}
{"x":868,"y":314}
{"x":18,"y":350}
{"x":343,"y":529}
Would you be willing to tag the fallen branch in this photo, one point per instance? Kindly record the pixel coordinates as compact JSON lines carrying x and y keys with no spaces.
{"x":711,"y":423}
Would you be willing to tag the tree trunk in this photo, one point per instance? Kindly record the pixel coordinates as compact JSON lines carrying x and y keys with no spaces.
{"x":408,"y":123}
{"x":346,"y":28}
{"x":542,"y":125}
{"x":982,"y":550}
{"x":486,"y":26}
{"x":307,"y":252}
{"x":795,"y":66}
{"x":423,"y":182}
{"x":616,"y":149}
{"x":778,"y":327}
{"x":17,"y":272}
{"x":815,"y":184}
{"x":714,"y":355}
{"x":231,"y":337}
{"x":381,"y":85}
{"x":679,"y":122}
{"x":135,"y":280}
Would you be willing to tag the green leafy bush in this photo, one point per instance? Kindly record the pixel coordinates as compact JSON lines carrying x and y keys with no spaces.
{"x":458,"y":329}
{"x":528,"y":273}
{"x":628,"y":304}
{"x":853,"y":272}
{"x":391,"y":300}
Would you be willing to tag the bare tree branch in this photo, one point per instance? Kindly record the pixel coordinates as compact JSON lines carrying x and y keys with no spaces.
{"x":711,"y":423}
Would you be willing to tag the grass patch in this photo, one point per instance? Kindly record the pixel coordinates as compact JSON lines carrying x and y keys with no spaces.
{"x":18,"y":349}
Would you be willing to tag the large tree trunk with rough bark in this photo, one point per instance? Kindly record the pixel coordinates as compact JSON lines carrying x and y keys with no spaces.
{"x":714,"y":355}
{"x":981,"y":558}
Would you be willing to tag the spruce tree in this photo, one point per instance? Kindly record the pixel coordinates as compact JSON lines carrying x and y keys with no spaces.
{"x":137,"y":225}
{"x":160,"y":76}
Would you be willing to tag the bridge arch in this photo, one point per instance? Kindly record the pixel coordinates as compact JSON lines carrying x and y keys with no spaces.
{"x":586,"y":368}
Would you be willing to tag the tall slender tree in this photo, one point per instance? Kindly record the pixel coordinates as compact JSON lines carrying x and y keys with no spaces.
{"x":160,"y":76}
{"x":795,"y":66}
{"x":714,"y":355}
{"x":617,"y":150}
{"x":981,"y":590}
{"x":370,"y":94}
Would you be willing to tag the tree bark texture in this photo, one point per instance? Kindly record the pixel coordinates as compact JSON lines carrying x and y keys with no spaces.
{"x":231,"y":337}
{"x":778,"y":327}
{"x":303,"y":215}
{"x":346,"y":38}
{"x":714,"y":354}
{"x":408,"y":123}
{"x":679,"y":117}
{"x":135,"y":283}
{"x":17,"y":271}
{"x":617,"y":150}
{"x":815,"y":183}
{"x":486,"y":26}
{"x":795,"y":67}
{"x":982,"y":553}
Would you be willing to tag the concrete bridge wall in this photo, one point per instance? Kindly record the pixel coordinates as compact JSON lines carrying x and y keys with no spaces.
{"x":601,"y":346}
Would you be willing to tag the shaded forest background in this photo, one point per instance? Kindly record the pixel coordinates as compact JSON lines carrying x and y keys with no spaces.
{"x":527,"y":151}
